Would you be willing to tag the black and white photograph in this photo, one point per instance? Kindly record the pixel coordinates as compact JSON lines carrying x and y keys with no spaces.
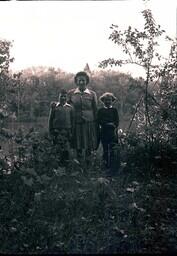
{"x":88,"y":127}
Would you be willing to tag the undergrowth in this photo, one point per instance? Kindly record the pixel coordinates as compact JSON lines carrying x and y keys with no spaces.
{"x":48,"y":208}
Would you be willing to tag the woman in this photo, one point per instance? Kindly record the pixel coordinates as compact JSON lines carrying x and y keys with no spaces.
{"x":84,"y":102}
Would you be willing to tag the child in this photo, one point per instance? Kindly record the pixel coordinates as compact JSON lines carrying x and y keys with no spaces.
{"x":61,"y":124}
{"x":108,"y":120}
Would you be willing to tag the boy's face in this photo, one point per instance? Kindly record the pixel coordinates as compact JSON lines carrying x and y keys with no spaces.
{"x":63,"y":98}
{"x":108,"y":101}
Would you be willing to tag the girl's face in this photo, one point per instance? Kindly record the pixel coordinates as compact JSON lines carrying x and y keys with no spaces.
{"x":108,"y":102}
{"x":81,"y":83}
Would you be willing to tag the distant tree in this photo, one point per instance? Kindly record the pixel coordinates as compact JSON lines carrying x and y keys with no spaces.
{"x":87,"y":69}
{"x":5,"y":78}
{"x":5,"y":61}
{"x":5,"y":58}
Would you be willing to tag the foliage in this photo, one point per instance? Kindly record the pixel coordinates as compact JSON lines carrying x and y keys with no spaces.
{"x":4,"y":65}
{"x":139,"y":46}
{"x":30,"y":93}
{"x":5,"y":58}
{"x":47,"y":208}
{"x":8,"y":81}
{"x":155,"y":112}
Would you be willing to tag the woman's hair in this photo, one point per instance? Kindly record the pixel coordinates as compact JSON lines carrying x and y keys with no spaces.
{"x":106,"y":95}
{"x":81,"y":73}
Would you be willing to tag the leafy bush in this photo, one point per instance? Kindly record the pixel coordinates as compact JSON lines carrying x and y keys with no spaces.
{"x":48,"y":208}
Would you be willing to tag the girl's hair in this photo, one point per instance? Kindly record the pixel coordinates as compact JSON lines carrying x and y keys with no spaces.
{"x":81,"y":73}
{"x":106,"y":95}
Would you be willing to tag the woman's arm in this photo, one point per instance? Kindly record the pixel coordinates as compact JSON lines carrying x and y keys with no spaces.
{"x":94,"y":105}
{"x":72,"y":119}
{"x":51,"y":117}
{"x":69,"y":97}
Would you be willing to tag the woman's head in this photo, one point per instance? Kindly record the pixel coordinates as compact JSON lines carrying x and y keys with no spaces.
{"x":81,"y":79}
{"x":107,"y":98}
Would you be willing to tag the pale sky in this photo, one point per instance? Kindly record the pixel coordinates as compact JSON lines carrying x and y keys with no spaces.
{"x":69,"y":34}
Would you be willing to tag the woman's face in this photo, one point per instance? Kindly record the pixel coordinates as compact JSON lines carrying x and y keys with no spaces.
{"x":81,"y":83}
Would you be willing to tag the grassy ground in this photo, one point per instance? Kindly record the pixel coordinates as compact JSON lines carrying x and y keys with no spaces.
{"x":46,"y":208}
{"x":79,"y":209}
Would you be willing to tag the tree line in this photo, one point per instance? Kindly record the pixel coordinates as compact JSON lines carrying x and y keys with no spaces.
{"x":28,"y":94}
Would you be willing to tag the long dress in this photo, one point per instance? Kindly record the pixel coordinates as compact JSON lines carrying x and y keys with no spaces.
{"x":85,"y":108}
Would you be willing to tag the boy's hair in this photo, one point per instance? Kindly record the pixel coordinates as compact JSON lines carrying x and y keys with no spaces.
{"x":63,"y":92}
{"x":106,"y":95}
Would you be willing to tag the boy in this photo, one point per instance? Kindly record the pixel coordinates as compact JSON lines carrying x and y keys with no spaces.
{"x":108,"y":120}
{"x":61,"y":124}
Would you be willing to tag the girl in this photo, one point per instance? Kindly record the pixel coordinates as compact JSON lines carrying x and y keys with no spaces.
{"x":108,"y":120}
